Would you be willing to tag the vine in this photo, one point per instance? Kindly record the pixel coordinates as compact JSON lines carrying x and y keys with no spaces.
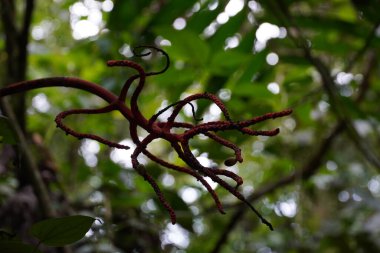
{"x":160,"y":129}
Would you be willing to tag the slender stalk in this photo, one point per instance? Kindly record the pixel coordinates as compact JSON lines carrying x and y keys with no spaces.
{"x":156,"y":130}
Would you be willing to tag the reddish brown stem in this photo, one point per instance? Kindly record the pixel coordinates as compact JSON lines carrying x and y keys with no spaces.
{"x":156,"y":130}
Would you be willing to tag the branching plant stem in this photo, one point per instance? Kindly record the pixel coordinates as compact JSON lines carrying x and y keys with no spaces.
{"x":160,"y":130}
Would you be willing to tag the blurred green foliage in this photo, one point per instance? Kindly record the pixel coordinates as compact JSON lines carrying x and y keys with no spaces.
{"x":214,"y":46}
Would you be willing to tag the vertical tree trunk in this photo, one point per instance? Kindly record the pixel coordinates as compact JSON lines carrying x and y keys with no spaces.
{"x":16,"y":42}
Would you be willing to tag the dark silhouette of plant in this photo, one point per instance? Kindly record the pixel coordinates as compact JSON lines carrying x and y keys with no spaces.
{"x":53,"y":232}
{"x":157,"y":129}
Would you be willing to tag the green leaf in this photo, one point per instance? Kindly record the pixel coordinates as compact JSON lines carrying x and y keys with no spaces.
{"x":5,"y":235}
{"x":62,"y":231}
{"x":226,"y":62}
{"x":254,"y":90}
{"x":201,"y":19}
{"x":226,"y":30}
{"x":7,"y":133}
{"x":125,"y":14}
{"x":171,"y":10}
{"x":186,"y":45}
{"x":17,"y":247}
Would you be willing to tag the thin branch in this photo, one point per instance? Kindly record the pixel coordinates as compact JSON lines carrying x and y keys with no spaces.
{"x":24,"y":35}
{"x":327,"y":81}
{"x":163,"y":130}
{"x":38,"y":184}
{"x":8,"y":14}
{"x":309,"y":169}
{"x":14,"y":61}
{"x":367,"y":43}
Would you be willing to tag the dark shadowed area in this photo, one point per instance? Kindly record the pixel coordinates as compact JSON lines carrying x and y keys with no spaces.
{"x":312,"y":174}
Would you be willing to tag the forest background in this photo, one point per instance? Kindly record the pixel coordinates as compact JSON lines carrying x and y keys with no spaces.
{"x":317,"y":181}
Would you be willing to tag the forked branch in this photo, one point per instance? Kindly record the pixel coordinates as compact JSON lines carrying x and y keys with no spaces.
{"x":160,"y":129}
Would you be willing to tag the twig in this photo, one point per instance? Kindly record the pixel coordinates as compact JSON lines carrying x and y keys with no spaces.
{"x":38,"y":184}
{"x":309,"y":169}
{"x":311,"y":166}
{"x":327,"y":82}
{"x":162,"y":130}
{"x":367,"y":43}
{"x":23,"y":37}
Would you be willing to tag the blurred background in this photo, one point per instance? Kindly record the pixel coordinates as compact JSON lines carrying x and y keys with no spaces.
{"x":317,"y":182}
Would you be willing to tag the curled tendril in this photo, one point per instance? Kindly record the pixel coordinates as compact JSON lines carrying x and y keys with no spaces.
{"x":161,"y":130}
{"x":154,"y":117}
{"x":167,"y":63}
